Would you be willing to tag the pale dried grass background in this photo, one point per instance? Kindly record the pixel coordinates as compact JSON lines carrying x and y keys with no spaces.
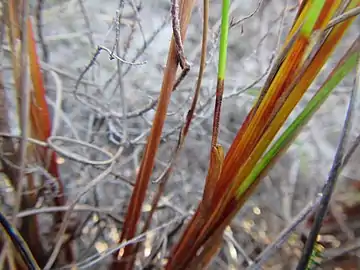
{"x":72,"y":30}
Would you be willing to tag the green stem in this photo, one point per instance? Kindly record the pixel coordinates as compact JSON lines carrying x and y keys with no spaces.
{"x":290,"y":133}
{"x":223,"y":38}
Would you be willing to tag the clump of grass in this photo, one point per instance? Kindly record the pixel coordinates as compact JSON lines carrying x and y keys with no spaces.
{"x":232,"y":177}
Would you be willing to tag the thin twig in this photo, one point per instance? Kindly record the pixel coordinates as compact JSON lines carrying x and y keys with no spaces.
{"x":284,"y":235}
{"x":32,"y":140}
{"x":343,"y":17}
{"x":77,"y":157}
{"x":87,"y":23}
{"x":137,"y":21}
{"x":234,"y":23}
{"x":340,"y":251}
{"x":72,"y":205}
{"x":93,"y":60}
{"x":184,"y":64}
{"x":141,"y":237}
{"x":333,"y":176}
{"x":120,"y":75}
{"x":24,"y":93}
{"x":138,"y":54}
{"x":114,"y":56}
{"x":238,"y":247}
{"x":78,"y":208}
{"x":351,"y":150}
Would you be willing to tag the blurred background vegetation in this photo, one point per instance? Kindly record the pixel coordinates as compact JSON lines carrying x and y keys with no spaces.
{"x":100,"y":115}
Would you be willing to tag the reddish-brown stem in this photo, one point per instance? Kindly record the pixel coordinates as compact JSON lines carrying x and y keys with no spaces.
{"x":148,"y":161}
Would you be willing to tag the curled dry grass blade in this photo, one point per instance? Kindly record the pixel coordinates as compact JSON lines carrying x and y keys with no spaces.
{"x":35,"y":123}
{"x":121,"y":260}
{"x":308,"y":47}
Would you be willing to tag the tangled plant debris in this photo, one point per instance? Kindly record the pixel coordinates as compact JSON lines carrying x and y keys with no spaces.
{"x":179,"y":134}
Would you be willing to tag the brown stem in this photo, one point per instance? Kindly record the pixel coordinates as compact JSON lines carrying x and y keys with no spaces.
{"x":184,"y":64}
{"x":139,"y":192}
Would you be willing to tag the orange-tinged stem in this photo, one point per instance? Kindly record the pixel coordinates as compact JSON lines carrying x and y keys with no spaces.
{"x":39,"y":109}
{"x":204,"y":209}
{"x":239,"y":150}
{"x":148,"y":161}
{"x":308,"y":77}
{"x":254,"y":138}
{"x":41,"y":126}
{"x":40,"y":116}
{"x":296,"y":94}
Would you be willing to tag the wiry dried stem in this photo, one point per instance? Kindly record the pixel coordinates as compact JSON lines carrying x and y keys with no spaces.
{"x":147,"y":164}
{"x":162,"y":180}
{"x":184,"y":64}
{"x":333,"y":175}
